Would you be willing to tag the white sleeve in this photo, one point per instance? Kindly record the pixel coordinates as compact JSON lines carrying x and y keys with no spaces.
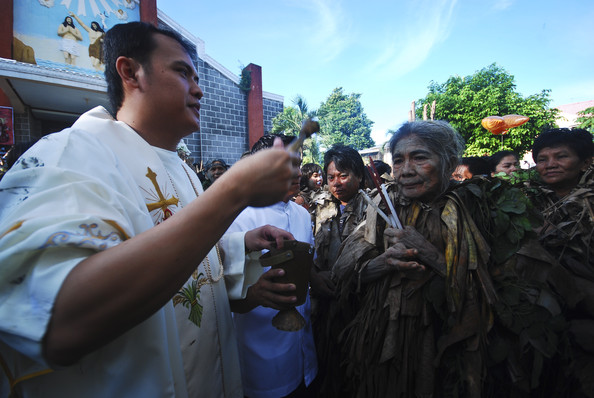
{"x":54,"y":214}
{"x":39,"y":246}
{"x":241,"y":270}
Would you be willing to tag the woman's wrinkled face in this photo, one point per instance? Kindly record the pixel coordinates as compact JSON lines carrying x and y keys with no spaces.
{"x":508,"y":164}
{"x":560,"y":168}
{"x":416,"y":169}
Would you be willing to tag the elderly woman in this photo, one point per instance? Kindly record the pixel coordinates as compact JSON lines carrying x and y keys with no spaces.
{"x":417,"y":307}
{"x":565,"y":196}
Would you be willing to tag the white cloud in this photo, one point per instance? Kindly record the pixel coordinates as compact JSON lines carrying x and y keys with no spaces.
{"x":501,"y":5}
{"x":422,"y":28}
{"x":327,"y":32}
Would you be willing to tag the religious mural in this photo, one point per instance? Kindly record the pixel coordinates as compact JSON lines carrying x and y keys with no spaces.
{"x":67,"y":34}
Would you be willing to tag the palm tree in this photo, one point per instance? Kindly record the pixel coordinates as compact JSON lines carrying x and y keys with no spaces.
{"x":289,"y":123}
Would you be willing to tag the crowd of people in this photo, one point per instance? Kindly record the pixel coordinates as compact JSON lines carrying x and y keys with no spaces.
{"x":504,"y":161}
{"x":481,"y":293}
{"x":122,"y":275}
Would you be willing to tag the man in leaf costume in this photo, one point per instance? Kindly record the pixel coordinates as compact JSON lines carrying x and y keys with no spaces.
{"x":339,"y":209}
{"x":439,"y":308}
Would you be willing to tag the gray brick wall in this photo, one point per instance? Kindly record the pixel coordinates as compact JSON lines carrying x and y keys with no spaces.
{"x":223,"y":118}
{"x":26,"y":127}
{"x":271,"y":109}
{"x":21,"y":125}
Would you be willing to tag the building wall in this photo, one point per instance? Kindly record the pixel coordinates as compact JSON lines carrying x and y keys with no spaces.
{"x":29,"y":129}
{"x":568,"y":113}
{"x":224,"y":131}
{"x":223,"y":118}
{"x":271,"y":109}
{"x":223,"y":121}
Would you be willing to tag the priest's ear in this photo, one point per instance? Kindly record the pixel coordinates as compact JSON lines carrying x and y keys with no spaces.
{"x":129,"y":70}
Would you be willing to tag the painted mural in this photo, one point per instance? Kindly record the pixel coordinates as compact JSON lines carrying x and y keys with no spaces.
{"x":67,"y":34}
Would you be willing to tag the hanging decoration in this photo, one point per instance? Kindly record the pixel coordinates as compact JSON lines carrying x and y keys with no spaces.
{"x":494,"y":124}
{"x":501,"y":124}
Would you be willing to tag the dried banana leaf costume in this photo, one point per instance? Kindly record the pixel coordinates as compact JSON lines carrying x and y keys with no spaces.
{"x":331,"y":228}
{"x":333,"y":225}
{"x":568,"y":234}
{"x":456,"y":331}
{"x":305,"y":198}
{"x":568,"y":229}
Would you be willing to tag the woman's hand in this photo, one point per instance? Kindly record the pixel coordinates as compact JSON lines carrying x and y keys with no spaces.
{"x":409,"y":242}
{"x":400,"y":258}
{"x":396,"y":258}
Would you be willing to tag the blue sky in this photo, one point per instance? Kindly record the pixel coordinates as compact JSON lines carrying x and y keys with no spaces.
{"x":390,"y":51}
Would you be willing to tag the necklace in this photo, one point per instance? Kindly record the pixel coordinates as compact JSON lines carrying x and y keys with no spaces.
{"x":209,"y":277}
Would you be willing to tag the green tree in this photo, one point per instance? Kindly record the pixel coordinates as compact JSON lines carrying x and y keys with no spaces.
{"x":491,"y":91}
{"x":342,"y":120}
{"x":289,"y":122}
{"x":586,"y":119}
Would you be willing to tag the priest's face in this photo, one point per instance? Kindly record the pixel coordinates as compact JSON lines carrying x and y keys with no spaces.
{"x":170,"y":89}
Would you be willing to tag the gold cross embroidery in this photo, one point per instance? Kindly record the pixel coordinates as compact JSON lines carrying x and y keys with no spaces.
{"x":163,"y":203}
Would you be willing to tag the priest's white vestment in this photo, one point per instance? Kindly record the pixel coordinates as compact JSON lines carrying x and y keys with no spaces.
{"x":84,"y":190}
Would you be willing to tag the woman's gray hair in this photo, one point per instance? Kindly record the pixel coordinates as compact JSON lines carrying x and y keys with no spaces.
{"x":441,"y":138}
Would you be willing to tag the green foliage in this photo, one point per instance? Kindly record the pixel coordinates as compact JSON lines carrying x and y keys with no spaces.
{"x":491,"y":91}
{"x":586,"y":119}
{"x":245,"y":80}
{"x":343,"y":121}
{"x":289,"y":122}
{"x":510,"y":216}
